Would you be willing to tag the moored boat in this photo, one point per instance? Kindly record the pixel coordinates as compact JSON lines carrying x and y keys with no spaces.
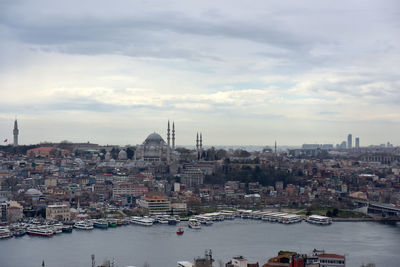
{"x":40,"y":231}
{"x":67,"y":229}
{"x":194,"y":224}
{"x":102,"y":224}
{"x":320,"y":220}
{"x":83,"y":225}
{"x":5,"y":233}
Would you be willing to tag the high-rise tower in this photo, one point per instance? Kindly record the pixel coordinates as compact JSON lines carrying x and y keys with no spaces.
{"x":15,"y":132}
{"x":357,"y":142}
{"x":349,"y":141}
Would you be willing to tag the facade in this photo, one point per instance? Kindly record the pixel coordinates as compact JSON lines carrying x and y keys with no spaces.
{"x":125,"y":189}
{"x":58,"y":212}
{"x":156,"y":205}
{"x":331,"y":260}
{"x":192,"y":177}
{"x":357,"y":142}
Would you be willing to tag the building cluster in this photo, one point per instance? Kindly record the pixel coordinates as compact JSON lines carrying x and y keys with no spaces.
{"x":62,"y":181}
{"x":318,"y":258}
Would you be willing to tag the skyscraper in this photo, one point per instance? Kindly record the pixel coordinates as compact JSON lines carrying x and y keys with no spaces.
{"x":349,"y":141}
{"x":15,"y":132}
{"x":357,"y":142}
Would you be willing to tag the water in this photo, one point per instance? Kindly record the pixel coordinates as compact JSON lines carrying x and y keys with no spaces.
{"x":361,"y":242}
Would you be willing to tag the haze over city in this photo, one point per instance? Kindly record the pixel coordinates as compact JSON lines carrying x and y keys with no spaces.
{"x":241,"y":73}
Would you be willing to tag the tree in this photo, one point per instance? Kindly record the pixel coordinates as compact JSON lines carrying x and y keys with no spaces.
{"x":335,"y":212}
{"x":329,"y":213}
{"x":130,"y":152}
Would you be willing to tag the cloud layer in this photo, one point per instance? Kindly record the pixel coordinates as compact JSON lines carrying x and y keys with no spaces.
{"x":242,"y":73}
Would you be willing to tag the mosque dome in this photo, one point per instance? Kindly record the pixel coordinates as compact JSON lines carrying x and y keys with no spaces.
{"x":33,"y":192}
{"x":107,"y":156}
{"x":122,"y":154}
{"x":154,"y":138}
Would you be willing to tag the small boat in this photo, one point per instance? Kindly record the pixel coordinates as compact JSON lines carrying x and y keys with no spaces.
{"x":67,"y":229}
{"x":180,"y":231}
{"x":19,"y":233}
{"x":194,"y":224}
{"x":112,"y":223}
{"x":172,"y":221}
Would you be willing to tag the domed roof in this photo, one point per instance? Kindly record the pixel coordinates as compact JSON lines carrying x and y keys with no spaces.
{"x":33,"y":192}
{"x":122,"y":154}
{"x":154,"y":137}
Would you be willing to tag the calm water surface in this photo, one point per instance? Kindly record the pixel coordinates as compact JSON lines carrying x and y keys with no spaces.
{"x":361,"y":242}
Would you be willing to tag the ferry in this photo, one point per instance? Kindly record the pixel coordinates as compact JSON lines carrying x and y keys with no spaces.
{"x":82,"y":225}
{"x":5,"y":233}
{"x":318,"y":219}
{"x":142,"y":221}
{"x":194,"y":224}
{"x":40,"y":231}
{"x":102,"y":224}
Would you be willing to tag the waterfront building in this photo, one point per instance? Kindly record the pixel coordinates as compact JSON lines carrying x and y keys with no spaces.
{"x":59,"y":212}
{"x":156,"y":205}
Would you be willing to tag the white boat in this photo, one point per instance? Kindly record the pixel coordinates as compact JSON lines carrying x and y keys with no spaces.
{"x":318,"y":219}
{"x":194,"y":224}
{"x":142,"y":221}
{"x":5,"y":233}
{"x":40,"y":231}
{"x":83,"y":225}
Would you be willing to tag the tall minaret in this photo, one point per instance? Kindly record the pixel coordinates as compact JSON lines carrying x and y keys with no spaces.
{"x":168,"y":134}
{"x":168,"y":141}
{"x":201,"y":142}
{"x":173,"y":136}
{"x":15,"y":132}
{"x":197,"y":142}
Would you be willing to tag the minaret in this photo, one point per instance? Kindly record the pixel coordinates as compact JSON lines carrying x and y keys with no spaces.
{"x":173,"y":136}
{"x":15,"y":132}
{"x":168,"y":141}
{"x":201,"y":146}
{"x":168,"y":134}
{"x":197,"y":142}
{"x":201,"y":142}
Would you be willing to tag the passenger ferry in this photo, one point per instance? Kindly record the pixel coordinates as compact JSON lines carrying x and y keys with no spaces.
{"x":318,"y":219}
{"x":194,"y":224}
{"x":40,"y":231}
{"x":83,"y":225}
{"x":142,"y":221}
{"x":102,"y":224}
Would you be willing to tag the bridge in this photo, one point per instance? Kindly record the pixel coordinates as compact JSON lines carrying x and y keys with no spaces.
{"x":370,"y":207}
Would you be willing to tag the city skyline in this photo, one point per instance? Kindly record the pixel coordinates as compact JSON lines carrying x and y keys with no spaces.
{"x":245,"y":74}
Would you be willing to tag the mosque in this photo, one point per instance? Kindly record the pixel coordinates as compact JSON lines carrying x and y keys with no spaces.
{"x":155,"y":149}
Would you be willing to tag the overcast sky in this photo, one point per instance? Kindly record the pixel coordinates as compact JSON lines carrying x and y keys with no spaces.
{"x":241,"y":72}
